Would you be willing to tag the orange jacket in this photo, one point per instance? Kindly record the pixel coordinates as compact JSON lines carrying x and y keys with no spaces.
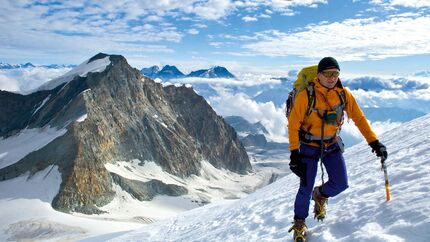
{"x":325,"y":99}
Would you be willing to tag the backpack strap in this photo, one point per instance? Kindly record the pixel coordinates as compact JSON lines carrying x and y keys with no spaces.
{"x":311,"y":103}
{"x":338,"y":108}
{"x":341,"y":107}
{"x":311,"y":98}
{"x":342,"y":97}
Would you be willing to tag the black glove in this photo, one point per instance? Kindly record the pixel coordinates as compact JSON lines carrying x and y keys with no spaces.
{"x":297,"y":166}
{"x":379,"y":149}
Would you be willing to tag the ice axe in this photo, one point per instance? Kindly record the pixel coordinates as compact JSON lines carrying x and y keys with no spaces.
{"x":387,"y":184}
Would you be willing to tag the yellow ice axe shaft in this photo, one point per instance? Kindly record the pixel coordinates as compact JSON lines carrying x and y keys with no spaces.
{"x":387,"y":183}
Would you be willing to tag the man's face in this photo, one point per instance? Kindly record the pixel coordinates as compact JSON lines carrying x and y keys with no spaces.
{"x":329,"y":77}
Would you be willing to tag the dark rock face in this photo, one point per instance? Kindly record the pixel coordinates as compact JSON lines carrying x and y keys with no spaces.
{"x":129,"y":116}
{"x":97,"y":57}
{"x":144,"y":191}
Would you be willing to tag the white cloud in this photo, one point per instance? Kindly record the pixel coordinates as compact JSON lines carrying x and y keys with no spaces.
{"x":351,"y":135}
{"x":273,"y":119}
{"x":352,"y":39}
{"x":350,"y":132}
{"x":282,"y":4}
{"x":277,"y":5}
{"x":84,"y":28}
{"x":200,"y":26}
{"x":108,"y":20}
{"x":404,"y":3}
{"x":382,"y":127}
{"x":418,"y":100}
{"x":8,"y":84}
{"x":422,"y":95}
{"x":213,"y":9}
{"x":153,"y":18}
{"x":249,"y":19}
{"x":254,"y":79}
{"x":23,"y":80}
{"x":216,"y":44}
{"x":264,"y":16}
{"x":244,"y":79}
{"x":193,"y":31}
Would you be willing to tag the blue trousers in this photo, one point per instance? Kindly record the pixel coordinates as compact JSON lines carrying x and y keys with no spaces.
{"x":334,"y":164}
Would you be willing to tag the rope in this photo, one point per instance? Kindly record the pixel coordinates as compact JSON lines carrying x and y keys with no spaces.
{"x":322,"y":147}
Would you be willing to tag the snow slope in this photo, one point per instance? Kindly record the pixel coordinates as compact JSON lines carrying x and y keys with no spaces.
{"x":25,"y":201}
{"x":26,"y":213}
{"x":82,"y":70}
{"x":18,"y":146}
{"x":359,"y":214}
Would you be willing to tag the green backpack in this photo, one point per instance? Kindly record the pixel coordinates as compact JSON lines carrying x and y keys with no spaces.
{"x":305,"y":80}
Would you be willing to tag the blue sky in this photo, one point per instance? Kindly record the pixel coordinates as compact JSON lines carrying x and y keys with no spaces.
{"x":274,"y":36}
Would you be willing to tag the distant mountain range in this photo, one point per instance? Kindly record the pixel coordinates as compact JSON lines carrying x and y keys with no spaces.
{"x":6,"y":66}
{"x":9,"y":66}
{"x":171,"y":72}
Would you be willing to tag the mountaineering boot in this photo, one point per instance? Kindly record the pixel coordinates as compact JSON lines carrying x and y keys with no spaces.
{"x":320,"y":202}
{"x":300,"y":230}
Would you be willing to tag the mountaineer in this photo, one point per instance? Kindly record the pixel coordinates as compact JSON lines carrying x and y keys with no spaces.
{"x":314,"y":122}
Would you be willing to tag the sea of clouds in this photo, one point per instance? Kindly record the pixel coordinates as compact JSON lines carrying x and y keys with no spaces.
{"x":261,"y":97}
{"x":24,"y":80}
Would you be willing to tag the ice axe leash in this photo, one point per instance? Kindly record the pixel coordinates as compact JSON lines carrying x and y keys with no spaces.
{"x":387,"y":183}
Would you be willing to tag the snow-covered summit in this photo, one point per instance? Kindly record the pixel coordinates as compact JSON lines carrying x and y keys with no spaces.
{"x":98,"y":63}
{"x":7,"y":66}
{"x":172,"y":72}
{"x":214,"y":72}
{"x":150,"y":71}
{"x":359,"y":214}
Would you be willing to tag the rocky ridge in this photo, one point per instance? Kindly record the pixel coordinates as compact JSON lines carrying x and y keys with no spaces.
{"x":128,"y":116}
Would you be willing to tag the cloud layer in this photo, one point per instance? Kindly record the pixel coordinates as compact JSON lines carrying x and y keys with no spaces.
{"x":351,"y":39}
{"x":23,"y":80}
{"x":239,"y":104}
{"x":242,"y":97}
{"x":48,"y":27}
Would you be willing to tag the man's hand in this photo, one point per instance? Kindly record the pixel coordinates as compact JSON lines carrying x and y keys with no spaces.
{"x":379,"y":149}
{"x":297,"y":166}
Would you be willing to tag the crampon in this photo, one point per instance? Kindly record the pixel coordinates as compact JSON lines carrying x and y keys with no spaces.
{"x":320,"y":204}
{"x":300,"y":230}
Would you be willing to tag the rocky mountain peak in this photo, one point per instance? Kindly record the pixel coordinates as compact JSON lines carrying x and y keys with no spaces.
{"x":150,"y":71}
{"x":214,"y":72}
{"x":169,"y":72}
{"x":128,"y":117}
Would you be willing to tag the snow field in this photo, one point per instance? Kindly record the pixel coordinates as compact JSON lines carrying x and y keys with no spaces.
{"x":359,"y":214}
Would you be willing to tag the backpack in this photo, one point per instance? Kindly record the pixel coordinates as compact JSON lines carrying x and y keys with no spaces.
{"x":305,"y":81}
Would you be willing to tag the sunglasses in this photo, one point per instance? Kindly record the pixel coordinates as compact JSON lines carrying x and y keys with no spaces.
{"x":330,"y":73}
